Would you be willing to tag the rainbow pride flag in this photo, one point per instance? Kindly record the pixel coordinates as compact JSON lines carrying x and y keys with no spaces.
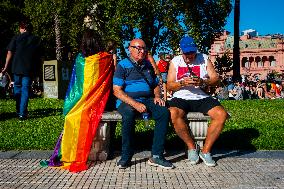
{"x":84,"y":104}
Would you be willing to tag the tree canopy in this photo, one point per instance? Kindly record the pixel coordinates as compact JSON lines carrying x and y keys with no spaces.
{"x":223,"y":64}
{"x":160,"y":23}
{"x":9,"y":14}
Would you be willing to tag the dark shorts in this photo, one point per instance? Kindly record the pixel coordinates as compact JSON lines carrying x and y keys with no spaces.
{"x":203,"y":105}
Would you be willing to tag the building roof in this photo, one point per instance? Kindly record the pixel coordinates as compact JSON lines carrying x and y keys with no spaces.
{"x":254,"y":43}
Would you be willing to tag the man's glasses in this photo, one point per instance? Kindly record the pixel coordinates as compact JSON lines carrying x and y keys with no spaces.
{"x":139,"y":48}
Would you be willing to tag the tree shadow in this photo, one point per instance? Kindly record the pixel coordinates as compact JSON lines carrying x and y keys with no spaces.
{"x":33,"y":113}
{"x":7,"y":115}
{"x":237,"y":139}
{"x":231,"y":143}
{"x":236,"y":142}
{"x":45,"y":112}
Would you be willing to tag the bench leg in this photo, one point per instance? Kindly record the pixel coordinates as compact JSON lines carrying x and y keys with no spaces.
{"x":199,"y":131}
{"x":100,"y":147}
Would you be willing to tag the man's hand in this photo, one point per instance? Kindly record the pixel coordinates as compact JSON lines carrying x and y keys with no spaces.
{"x":3,"y":70}
{"x":140,"y":107}
{"x":192,"y":81}
{"x":159,"y":101}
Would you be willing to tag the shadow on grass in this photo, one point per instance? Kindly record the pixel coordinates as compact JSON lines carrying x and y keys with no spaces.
{"x":235,"y":143}
{"x":32,"y":114}
{"x":230,"y":143}
{"x":237,"y":139}
{"x":45,"y":112}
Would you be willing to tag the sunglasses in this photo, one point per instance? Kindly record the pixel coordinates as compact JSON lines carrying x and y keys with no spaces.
{"x":139,"y":48}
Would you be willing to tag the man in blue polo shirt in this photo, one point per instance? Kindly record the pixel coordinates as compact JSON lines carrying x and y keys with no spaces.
{"x":136,"y":87}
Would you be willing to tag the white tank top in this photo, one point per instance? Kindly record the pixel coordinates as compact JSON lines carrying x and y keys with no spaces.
{"x":198,"y":67}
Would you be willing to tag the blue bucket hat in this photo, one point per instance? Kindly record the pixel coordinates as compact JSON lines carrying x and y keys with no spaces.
{"x":187,"y":45}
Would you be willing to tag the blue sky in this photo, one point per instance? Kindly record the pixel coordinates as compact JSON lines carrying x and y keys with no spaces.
{"x":264,"y":16}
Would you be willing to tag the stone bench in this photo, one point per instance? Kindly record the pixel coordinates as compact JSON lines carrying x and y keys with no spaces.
{"x":198,"y":124}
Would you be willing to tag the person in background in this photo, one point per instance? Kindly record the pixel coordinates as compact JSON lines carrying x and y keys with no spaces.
{"x":238,"y":90}
{"x":281,"y":88}
{"x":188,"y":74}
{"x":84,"y":104}
{"x":25,"y":50}
{"x":5,"y":84}
{"x":111,"y":48}
{"x":163,"y":66}
{"x":150,"y":58}
{"x":259,"y":90}
{"x":136,"y":87}
{"x":231,"y":91}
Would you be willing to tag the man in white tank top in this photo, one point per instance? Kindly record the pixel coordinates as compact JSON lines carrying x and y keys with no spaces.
{"x":188,"y":74}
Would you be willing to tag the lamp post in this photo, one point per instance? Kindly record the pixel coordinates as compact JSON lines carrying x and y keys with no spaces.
{"x":236,"y":49}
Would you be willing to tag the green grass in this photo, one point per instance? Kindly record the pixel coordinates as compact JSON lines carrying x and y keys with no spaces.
{"x":40,"y":131}
{"x":254,"y":125}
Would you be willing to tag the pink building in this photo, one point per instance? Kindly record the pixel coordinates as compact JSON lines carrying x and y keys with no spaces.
{"x":259,"y":55}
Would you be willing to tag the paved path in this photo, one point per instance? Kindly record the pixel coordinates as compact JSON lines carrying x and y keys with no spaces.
{"x":236,"y":169}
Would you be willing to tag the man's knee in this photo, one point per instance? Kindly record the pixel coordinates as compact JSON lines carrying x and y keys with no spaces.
{"x":218,"y":113}
{"x":176,"y":113}
{"x":126,"y":111}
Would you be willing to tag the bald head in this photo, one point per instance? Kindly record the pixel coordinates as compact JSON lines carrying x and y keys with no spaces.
{"x":137,"y":49}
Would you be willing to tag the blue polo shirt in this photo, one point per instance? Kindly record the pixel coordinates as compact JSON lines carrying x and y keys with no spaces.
{"x":132,"y":82}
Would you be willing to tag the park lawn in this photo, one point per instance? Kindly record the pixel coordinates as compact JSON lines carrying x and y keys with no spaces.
{"x":254,"y":125}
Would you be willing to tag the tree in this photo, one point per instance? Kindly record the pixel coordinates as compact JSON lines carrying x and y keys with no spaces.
{"x":9,"y":15}
{"x":160,"y":23}
{"x":223,"y":64}
{"x":206,"y":19}
{"x":60,"y":27}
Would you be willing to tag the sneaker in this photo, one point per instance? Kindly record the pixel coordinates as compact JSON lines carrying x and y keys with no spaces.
{"x":192,"y":156}
{"x":122,"y":164}
{"x":158,"y":161}
{"x":207,"y":159}
{"x":22,"y":118}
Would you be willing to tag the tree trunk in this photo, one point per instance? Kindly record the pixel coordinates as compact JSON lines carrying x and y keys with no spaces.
{"x":236,"y":50}
{"x":57,"y":37}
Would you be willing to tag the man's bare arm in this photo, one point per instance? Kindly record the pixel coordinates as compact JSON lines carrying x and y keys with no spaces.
{"x":213,"y":76}
{"x":8,"y":60}
{"x":120,"y":94}
{"x":172,"y":85}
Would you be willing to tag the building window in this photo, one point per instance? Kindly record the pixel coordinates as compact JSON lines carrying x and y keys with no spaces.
{"x":257,"y":59}
{"x":273,"y":63}
{"x":247,"y":64}
{"x":271,"y":58}
{"x":272,"y":44}
{"x":260,"y":64}
{"x":244,"y":60}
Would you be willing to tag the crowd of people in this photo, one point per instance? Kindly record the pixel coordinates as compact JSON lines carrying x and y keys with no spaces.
{"x":249,"y":88}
